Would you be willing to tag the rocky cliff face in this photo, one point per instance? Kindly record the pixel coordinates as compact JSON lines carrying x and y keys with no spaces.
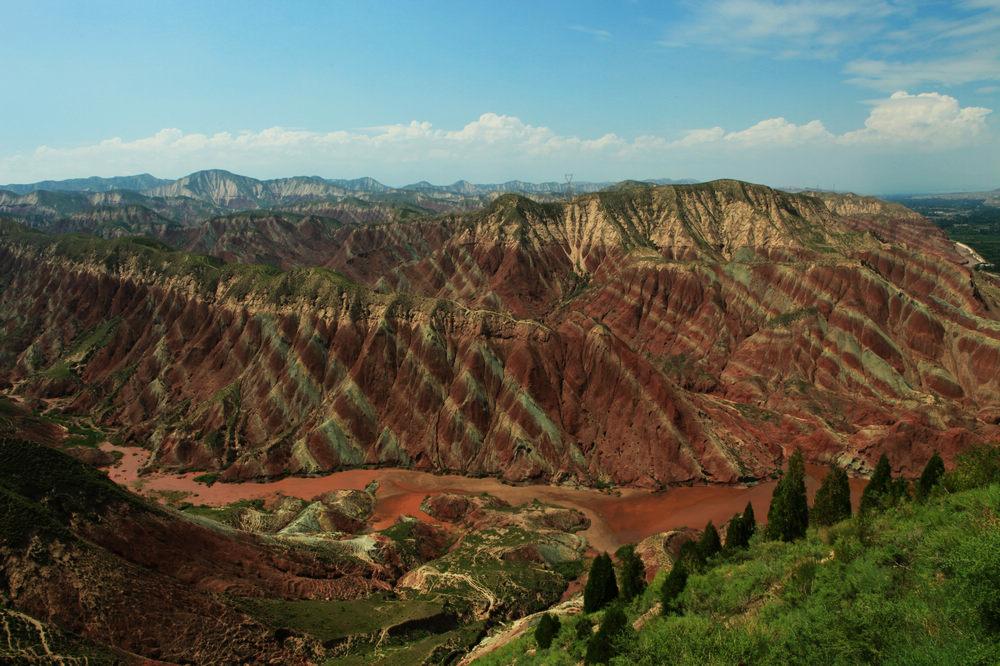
{"x":645,"y":335}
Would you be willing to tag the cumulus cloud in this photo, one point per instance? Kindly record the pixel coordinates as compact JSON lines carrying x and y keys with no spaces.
{"x":931,"y":119}
{"x":925,"y":121}
{"x":778,"y":131}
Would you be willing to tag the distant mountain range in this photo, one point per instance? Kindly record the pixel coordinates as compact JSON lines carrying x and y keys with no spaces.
{"x":139,"y":183}
{"x":232,"y":190}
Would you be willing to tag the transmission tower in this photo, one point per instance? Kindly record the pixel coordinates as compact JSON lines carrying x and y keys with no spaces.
{"x":569,"y":186}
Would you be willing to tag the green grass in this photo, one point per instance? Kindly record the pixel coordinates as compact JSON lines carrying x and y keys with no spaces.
{"x":208,"y":478}
{"x":223,"y":514}
{"x":432,"y":649}
{"x":84,"y":436}
{"x":332,"y":620}
{"x":59,"y":371}
{"x":919,"y":584}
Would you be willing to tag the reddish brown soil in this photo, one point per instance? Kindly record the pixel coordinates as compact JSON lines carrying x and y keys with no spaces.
{"x":626,"y":516}
{"x":645,"y":338}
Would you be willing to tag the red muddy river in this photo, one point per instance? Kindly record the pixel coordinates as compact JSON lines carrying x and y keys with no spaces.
{"x":626,"y":516}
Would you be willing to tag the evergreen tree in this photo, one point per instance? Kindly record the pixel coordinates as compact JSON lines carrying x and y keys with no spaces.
{"x":833,"y":499}
{"x":933,"y":471}
{"x":673,"y":585}
{"x":548,"y":627}
{"x":633,"y":573}
{"x":601,"y":646}
{"x":690,"y":555}
{"x":710,"y":544}
{"x":749,"y":521}
{"x":788,"y":517}
{"x":601,"y":588}
{"x":879,"y":490}
{"x":737,"y":532}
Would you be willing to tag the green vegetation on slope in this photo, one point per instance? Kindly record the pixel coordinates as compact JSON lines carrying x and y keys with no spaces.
{"x":42,"y":489}
{"x":331,"y":620}
{"x":916,"y":584}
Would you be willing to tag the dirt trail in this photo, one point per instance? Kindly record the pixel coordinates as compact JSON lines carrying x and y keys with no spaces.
{"x":625,"y":517}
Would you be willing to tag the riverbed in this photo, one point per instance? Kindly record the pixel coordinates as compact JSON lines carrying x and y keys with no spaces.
{"x":626,"y":515}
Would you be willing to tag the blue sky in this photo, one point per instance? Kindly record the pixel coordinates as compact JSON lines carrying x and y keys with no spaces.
{"x":869,"y":95}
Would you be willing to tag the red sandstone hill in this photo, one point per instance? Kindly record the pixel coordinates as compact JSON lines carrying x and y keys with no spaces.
{"x":644,"y":335}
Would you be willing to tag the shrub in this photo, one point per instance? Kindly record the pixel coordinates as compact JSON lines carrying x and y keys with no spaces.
{"x":673,"y":585}
{"x":976,"y":468}
{"x":833,"y":499}
{"x":548,"y":627}
{"x":690,"y":555}
{"x":737,"y":534}
{"x":601,"y":647}
{"x":584,"y":628}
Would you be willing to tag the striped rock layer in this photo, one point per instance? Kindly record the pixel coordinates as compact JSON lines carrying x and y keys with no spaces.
{"x":640,"y":336}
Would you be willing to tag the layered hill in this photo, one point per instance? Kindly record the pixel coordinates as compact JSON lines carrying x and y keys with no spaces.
{"x":642,"y":335}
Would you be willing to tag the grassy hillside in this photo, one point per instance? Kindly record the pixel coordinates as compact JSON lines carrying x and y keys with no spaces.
{"x":917,"y":584}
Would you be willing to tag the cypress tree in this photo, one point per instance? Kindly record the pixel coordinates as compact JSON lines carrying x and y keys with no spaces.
{"x":548,"y":627}
{"x":879,"y":489}
{"x":737,"y":532}
{"x":933,"y":471}
{"x":690,"y":555}
{"x":633,"y":573}
{"x":673,"y":585}
{"x":788,"y":517}
{"x":710,"y":544}
{"x":833,"y":499}
{"x":601,"y":588}
{"x":741,"y":528}
{"x":601,"y":646}
{"x":749,"y":521}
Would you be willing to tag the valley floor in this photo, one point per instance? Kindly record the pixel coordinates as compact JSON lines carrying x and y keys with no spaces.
{"x":623,"y":516}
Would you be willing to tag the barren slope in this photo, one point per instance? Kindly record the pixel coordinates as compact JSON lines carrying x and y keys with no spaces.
{"x":645,"y":335}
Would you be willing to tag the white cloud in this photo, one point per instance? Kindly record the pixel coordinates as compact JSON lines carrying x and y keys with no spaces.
{"x":926,"y":121}
{"x":885,"y":44}
{"x":778,"y":131}
{"x":787,"y":28}
{"x":931,"y":119}
{"x":597,"y":33}
{"x":893,"y":75}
